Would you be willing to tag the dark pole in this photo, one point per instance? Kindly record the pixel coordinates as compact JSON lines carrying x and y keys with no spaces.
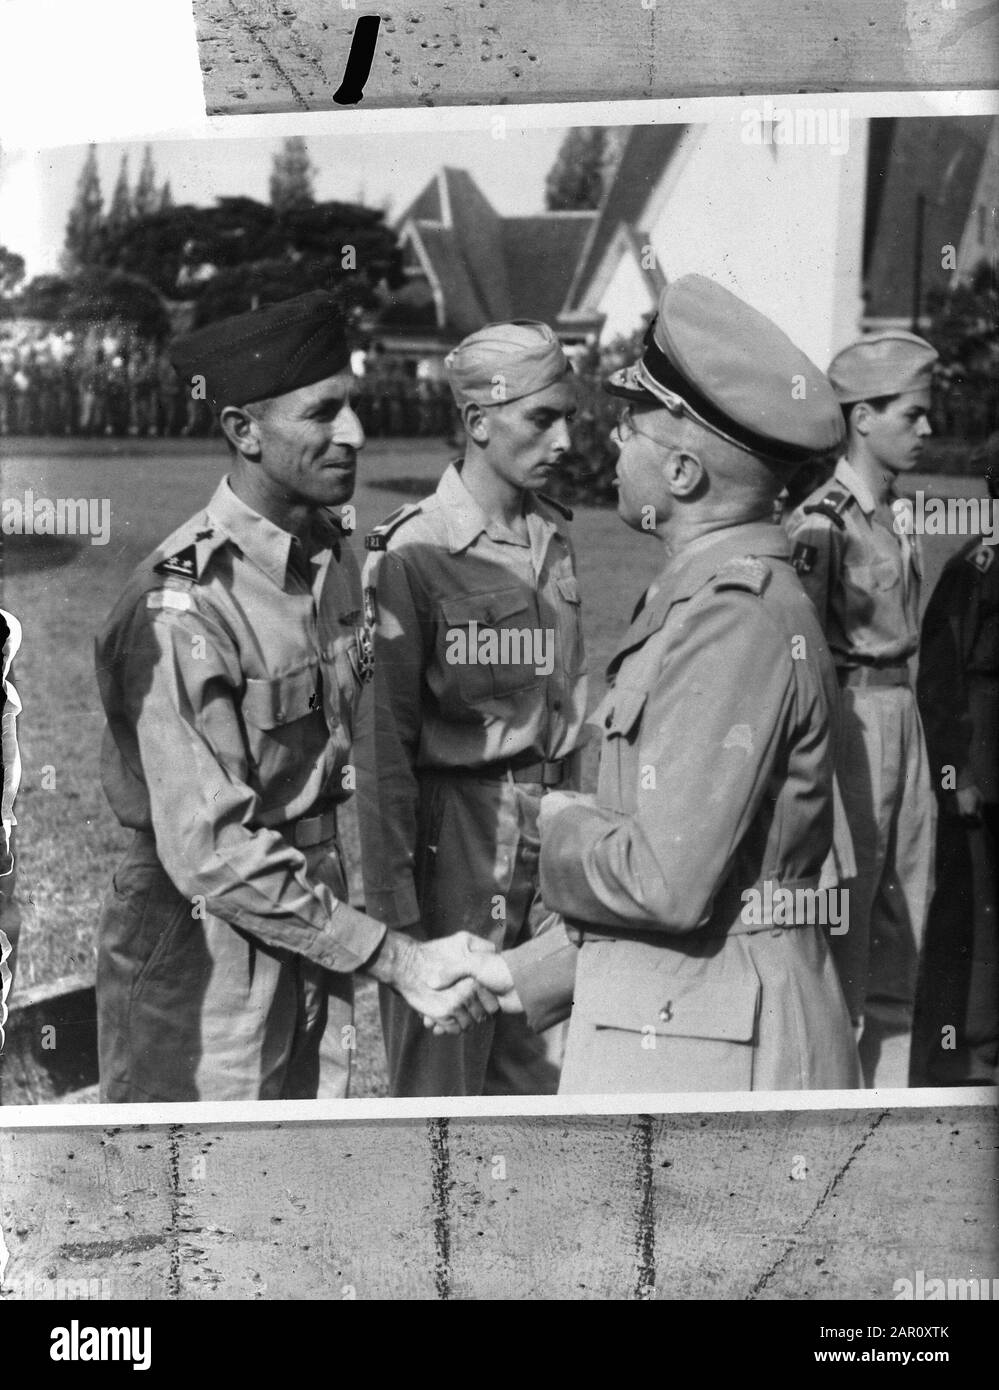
{"x":917,"y":262}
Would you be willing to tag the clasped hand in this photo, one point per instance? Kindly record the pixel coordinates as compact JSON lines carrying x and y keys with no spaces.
{"x":455,"y":982}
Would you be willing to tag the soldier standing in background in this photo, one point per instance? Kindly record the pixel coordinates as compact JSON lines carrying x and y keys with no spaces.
{"x":956,"y":1031}
{"x":859,"y":562}
{"x":466,"y":746}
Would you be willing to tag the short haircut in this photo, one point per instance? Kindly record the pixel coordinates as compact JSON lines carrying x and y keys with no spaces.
{"x":877,"y":403}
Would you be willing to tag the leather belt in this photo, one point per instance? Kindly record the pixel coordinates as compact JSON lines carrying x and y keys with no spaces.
{"x":308,"y":831}
{"x":733,"y":926}
{"x":547,"y":772}
{"x":873,"y":675}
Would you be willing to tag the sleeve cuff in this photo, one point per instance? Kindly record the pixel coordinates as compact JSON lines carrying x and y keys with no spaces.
{"x":544,"y":976}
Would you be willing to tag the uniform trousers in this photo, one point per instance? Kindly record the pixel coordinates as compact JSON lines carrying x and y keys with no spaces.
{"x":476,"y":871}
{"x":890,"y":808}
{"x":192,"y":1008}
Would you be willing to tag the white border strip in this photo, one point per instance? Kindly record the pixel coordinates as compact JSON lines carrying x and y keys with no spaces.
{"x":53,"y":125}
{"x":210,"y":1113}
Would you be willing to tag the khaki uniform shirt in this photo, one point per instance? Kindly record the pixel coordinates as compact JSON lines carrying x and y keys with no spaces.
{"x":452,"y":583}
{"x":862,"y":577}
{"x":229,"y":674}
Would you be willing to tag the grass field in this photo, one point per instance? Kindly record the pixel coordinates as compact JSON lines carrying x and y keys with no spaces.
{"x":61,"y":589}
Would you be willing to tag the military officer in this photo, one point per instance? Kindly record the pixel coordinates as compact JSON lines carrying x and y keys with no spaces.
{"x":858,"y":559}
{"x":229,"y":671}
{"x":480,"y":695}
{"x":692,"y":938}
{"x":956,"y":1032}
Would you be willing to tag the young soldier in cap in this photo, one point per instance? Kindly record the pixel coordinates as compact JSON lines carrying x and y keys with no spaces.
{"x":956,"y":1030}
{"x":480,"y":694}
{"x":859,"y":563}
{"x":230,"y":673}
{"x":692,"y":937}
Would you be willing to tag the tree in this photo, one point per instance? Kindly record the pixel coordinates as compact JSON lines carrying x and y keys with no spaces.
{"x":113,"y":299}
{"x":119,"y":216}
{"x":291,"y":177}
{"x":576,"y":179}
{"x":11,"y":271}
{"x":241,"y":251}
{"x":147,"y":198}
{"x":84,"y":226}
{"x":166,"y":198}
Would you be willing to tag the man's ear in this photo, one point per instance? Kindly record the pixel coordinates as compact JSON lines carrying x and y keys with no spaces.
{"x":684,"y":472}
{"x":474,"y":419}
{"x":240,"y":428}
{"x":860,"y":418}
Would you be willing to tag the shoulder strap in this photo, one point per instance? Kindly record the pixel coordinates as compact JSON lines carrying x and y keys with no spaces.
{"x":833,"y":505}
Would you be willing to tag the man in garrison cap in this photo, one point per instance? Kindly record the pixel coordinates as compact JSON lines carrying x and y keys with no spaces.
{"x":480,"y":695}
{"x":230,"y":672}
{"x":956,"y":1026}
{"x":691,"y":945}
{"x":858,"y":558}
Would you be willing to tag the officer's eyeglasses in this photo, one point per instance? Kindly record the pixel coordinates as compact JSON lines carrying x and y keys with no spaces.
{"x":626,"y":427}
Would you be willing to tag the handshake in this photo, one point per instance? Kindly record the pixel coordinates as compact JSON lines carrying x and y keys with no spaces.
{"x":452,"y":983}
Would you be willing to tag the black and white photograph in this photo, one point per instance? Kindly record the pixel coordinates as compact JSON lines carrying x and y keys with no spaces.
{"x":501,"y":676}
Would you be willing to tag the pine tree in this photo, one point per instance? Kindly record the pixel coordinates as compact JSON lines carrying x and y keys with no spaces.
{"x":120,"y":212}
{"x":147,"y":198}
{"x":84,"y":225}
{"x":166,"y":197}
{"x":291,"y":177}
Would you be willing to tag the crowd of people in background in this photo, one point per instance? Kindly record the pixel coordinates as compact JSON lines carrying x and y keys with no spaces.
{"x":120,"y":384}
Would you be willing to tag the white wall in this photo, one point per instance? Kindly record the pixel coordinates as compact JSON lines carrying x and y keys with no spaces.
{"x":780,"y":225}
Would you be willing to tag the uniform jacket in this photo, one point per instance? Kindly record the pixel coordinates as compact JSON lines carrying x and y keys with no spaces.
{"x":958,"y":684}
{"x":715,"y":777}
{"x":229,"y":674}
{"x":862,"y":577}
{"x":448,"y":583}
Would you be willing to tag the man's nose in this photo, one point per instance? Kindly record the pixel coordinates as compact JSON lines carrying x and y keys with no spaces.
{"x":562,"y":440}
{"x":347,"y":428}
{"x":924,"y":427}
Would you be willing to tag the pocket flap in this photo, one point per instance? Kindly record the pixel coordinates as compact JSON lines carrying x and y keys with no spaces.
{"x":698,"y":1008}
{"x":568,"y":587}
{"x":269,"y":704}
{"x":487,"y":608}
{"x":624,"y":706}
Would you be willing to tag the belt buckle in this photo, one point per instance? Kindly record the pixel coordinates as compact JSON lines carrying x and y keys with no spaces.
{"x":552,"y":773}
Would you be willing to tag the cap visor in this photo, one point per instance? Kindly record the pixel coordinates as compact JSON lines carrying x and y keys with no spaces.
{"x":625,"y":383}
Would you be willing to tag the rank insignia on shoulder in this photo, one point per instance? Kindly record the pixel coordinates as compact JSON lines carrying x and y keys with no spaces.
{"x":803,"y":558}
{"x":983,"y":558}
{"x":378,"y":537}
{"x":833,"y":505}
{"x":184,"y":564}
{"x":743,"y":572}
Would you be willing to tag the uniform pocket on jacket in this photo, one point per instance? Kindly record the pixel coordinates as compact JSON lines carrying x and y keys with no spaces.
{"x":489,"y":643}
{"x":881,"y":575}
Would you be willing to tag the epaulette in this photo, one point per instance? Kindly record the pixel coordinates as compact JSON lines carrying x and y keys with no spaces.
{"x":378,"y":537}
{"x":982,"y":558}
{"x":743,"y":572}
{"x":190,"y":561}
{"x":833,"y":505}
{"x":560,"y":507}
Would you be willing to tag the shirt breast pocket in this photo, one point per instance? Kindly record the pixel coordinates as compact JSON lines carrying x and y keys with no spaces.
{"x":489,"y":644}
{"x":283,"y":717}
{"x":874,"y":578}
